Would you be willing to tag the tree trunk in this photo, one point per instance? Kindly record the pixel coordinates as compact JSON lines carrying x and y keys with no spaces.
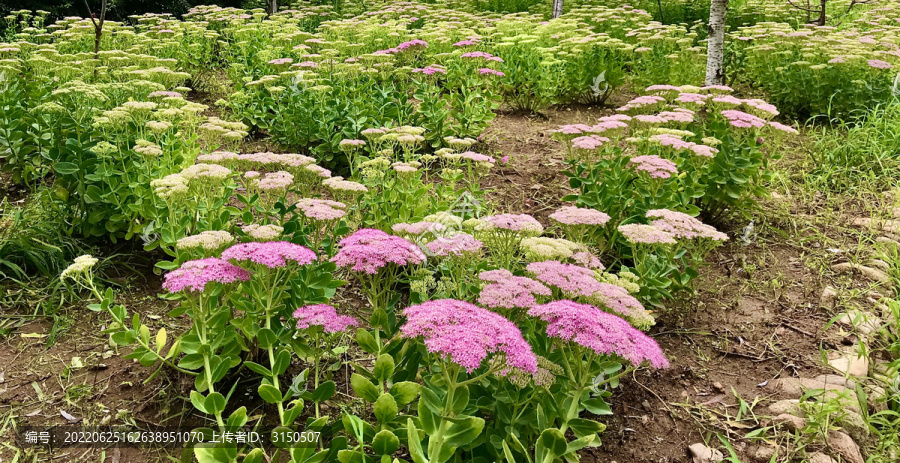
{"x":821,"y":20}
{"x":557,"y":8}
{"x":273,"y":7}
{"x":715,"y":45}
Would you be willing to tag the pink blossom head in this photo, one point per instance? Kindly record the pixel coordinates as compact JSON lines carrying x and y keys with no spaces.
{"x":571,"y":215}
{"x":490,"y":72}
{"x":322,"y":209}
{"x":272,"y":254}
{"x":681,"y":225}
{"x":196,"y":275}
{"x":637,"y":233}
{"x":522,"y":223}
{"x":617,"y":299}
{"x":466,"y":334}
{"x":586,"y":259}
{"x":603,"y":333}
{"x":325,"y":316}
{"x":507,"y":291}
{"x":415,"y":44}
{"x":418,"y":228}
{"x":590,"y":142}
{"x":878,"y":64}
{"x":456,"y":245}
{"x":369,"y":250}
{"x":742,"y":119}
{"x":568,"y":278}
{"x":655,"y":166}
{"x":783,"y":128}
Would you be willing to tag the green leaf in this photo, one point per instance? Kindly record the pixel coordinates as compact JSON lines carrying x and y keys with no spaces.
{"x":350,"y":456}
{"x":237,"y":418}
{"x":404,"y":392}
{"x":584,"y":427}
{"x":65,"y":168}
{"x":429,"y":416}
{"x":269,"y":393}
{"x":384,"y":367}
{"x":414,"y":443}
{"x":258,"y":369}
{"x":364,"y":388}
{"x":255,"y":456}
{"x":385,"y":408}
{"x":597,"y":406}
{"x":266,"y":338}
{"x":215,"y":403}
{"x":463,"y":431}
{"x":324,"y":392}
{"x":385,"y":443}
{"x":460,"y":400}
{"x":550,"y":446}
{"x":282,"y":362}
{"x":160,"y":339}
{"x":198,"y":401}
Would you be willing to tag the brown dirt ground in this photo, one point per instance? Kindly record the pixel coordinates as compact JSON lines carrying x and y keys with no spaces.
{"x":754,"y":318}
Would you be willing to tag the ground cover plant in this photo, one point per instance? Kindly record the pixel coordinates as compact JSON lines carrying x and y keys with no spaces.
{"x":310,"y":222}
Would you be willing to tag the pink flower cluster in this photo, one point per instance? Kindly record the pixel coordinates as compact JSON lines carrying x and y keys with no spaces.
{"x":637,"y":233}
{"x":417,"y":228}
{"x":481,"y":54}
{"x":325,"y":316}
{"x":571,"y":215}
{"x":465,"y":43}
{"x":681,"y":225}
{"x":617,"y":299}
{"x":586,"y":259}
{"x":272,"y":254}
{"x":456,"y":245}
{"x":412,"y":44}
{"x":322,"y":209}
{"x":466,"y":334}
{"x":743,"y":120}
{"x":514,"y":222}
{"x":569,"y":278}
{"x":782,"y":127}
{"x":476,"y":157}
{"x":281,"y":61}
{"x":195,"y":275}
{"x":878,"y":64}
{"x":654,"y":165}
{"x":589,"y":142}
{"x":679,"y":144}
{"x":508,"y":291}
{"x":430,"y":70}
{"x":368,"y":250}
{"x":642,"y":101}
{"x":604,"y":333}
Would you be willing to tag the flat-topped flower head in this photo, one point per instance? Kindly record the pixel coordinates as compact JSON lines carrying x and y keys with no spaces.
{"x":272,"y":254}
{"x":586,"y":259}
{"x":781,"y":127}
{"x":569,"y":278}
{"x":741,"y":119}
{"x":466,"y":334}
{"x":681,"y":225}
{"x":81,"y":265}
{"x":507,"y":291}
{"x":325,"y":316}
{"x":602,"y":332}
{"x":211,"y":240}
{"x":617,"y":299}
{"x":368,"y":250}
{"x":523,"y":223}
{"x":418,"y":228}
{"x":263,"y":232}
{"x":196,"y":275}
{"x":541,"y":248}
{"x":457,"y":245}
{"x":322,"y":209}
{"x":571,"y":215}
{"x":589,"y":142}
{"x":637,"y":233}
{"x":655,"y":166}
